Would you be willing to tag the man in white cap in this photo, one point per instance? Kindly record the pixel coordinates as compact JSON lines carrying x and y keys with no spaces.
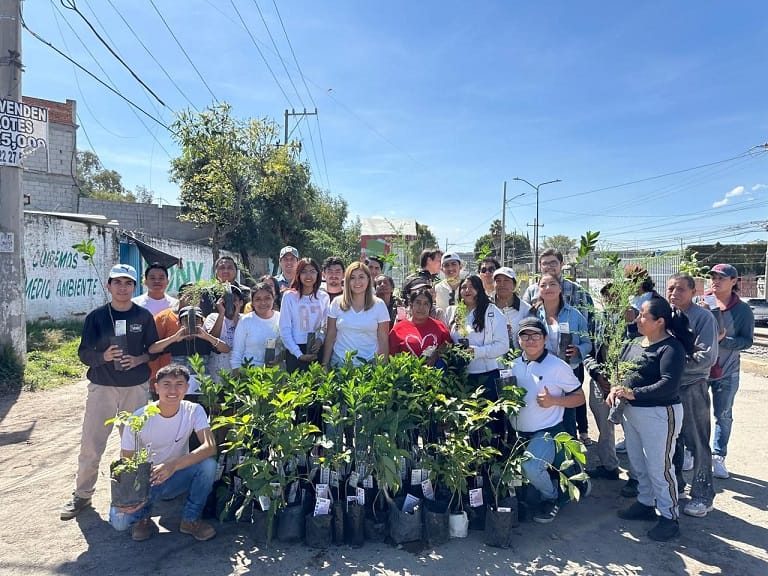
{"x":289,"y":259}
{"x":115,"y":346}
{"x":445,"y":290}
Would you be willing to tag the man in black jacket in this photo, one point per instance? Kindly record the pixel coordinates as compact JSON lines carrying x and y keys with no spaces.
{"x":115,"y":346}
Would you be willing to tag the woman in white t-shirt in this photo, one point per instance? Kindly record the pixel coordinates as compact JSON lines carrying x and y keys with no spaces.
{"x":223,"y":328}
{"x":303,"y":311}
{"x":357,"y":321}
{"x":256,"y":330}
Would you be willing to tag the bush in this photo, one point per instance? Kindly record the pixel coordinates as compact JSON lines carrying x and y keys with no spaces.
{"x":11,"y":370}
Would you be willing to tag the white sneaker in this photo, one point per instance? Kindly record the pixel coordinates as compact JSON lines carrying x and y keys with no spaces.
{"x":720,"y":471}
{"x":621,"y":447}
{"x":698,"y":508}
{"x":687,"y":461}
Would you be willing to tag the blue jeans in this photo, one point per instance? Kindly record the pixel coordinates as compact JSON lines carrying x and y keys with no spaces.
{"x":197,"y":480}
{"x":723,"y":394}
{"x":541,"y":452}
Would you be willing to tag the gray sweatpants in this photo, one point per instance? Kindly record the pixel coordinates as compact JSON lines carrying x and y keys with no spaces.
{"x":606,"y":441}
{"x":650,"y":435}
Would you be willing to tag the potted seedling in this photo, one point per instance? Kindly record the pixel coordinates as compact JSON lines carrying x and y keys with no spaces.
{"x":129,"y":476}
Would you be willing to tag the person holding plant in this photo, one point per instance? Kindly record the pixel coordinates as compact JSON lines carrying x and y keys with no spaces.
{"x":653,"y":415}
{"x":219,"y":326}
{"x":419,"y":334}
{"x":118,"y":375}
{"x":738,"y":335}
{"x":303,"y":315}
{"x":567,"y":337}
{"x":225,"y":271}
{"x":550,"y":387}
{"x":175,"y":470}
{"x":256,"y":331}
{"x":358,"y":321}
{"x":480,"y":325}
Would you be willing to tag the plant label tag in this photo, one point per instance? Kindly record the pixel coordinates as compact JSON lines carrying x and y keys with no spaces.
{"x":351,"y":499}
{"x":361,"y":470}
{"x":322,"y":507}
{"x":475,"y":497}
{"x":516,"y":482}
{"x":409,"y":506}
{"x":426,"y":487}
{"x":323,"y":491}
{"x":504,"y":509}
{"x":325,"y":475}
{"x":354,"y":479}
{"x":293,"y":492}
{"x":368,"y":481}
{"x":264,"y":503}
{"x":120,"y":327}
{"x":240,"y":458}
{"x":276,"y":489}
{"x":478,"y":481}
{"x":334,"y":479}
{"x":361,"y":496}
{"x":416,"y":476}
{"x":505,"y":373}
{"x":237,"y":483}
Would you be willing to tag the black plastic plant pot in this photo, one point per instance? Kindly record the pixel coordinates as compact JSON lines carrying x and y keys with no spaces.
{"x":499,"y":526}
{"x":476,"y":517}
{"x":463,"y":342}
{"x":318,"y":530}
{"x":337,"y":510}
{"x":290,"y":525}
{"x":354,"y":524}
{"x":436,"y":523}
{"x":229,"y":302}
{"x":403,"y":526}
{"x":131,"y":488}
{"x":261,"y":526}
{"x":375,"y":530}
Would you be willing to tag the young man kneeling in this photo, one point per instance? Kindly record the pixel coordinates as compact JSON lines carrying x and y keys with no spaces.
{"x":175,"y":469}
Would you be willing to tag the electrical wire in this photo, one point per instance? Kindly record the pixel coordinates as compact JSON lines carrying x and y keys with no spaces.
{"x":167,"y":27}
{"x":151,"y":55}
{"x":70,"y":5}
{"x":36,"y":36}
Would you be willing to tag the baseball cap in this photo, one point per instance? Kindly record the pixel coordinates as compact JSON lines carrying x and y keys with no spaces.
{"x":123,"y":271}
{"x":505,"y":271}
{"x":450,"y":257}
{"x":289,"y":250}
{"x":725,"y":270}
{"x":532,"y":323}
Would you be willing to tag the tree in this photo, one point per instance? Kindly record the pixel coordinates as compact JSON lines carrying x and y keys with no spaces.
{"x":517,"y":249}
{"x":256,"y":194}
{"x":97,"y":182}
{"x":561,"y":243}
{"x":424,"y":239}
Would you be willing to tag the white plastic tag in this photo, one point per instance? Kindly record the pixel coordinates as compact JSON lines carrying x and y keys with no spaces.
{"x":475,"y":497}
{"x":322,"y":507}
{"x":426,"y":487}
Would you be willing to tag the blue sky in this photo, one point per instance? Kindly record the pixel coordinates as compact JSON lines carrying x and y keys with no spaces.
{"x":426,"y":108}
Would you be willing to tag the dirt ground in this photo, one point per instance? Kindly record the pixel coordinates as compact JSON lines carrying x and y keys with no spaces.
{"x":39,"y":434}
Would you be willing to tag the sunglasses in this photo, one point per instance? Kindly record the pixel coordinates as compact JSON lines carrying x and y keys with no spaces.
{"x":485,"y":270}
{"x":525,"y":336}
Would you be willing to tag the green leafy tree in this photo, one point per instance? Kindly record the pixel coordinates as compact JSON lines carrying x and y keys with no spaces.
{"x":561,"y":243}
{"x":97,"y":182}
{"x":424,"y":239}
{"x":517,"y":249}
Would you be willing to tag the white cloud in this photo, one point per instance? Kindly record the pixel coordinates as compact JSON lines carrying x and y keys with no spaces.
{"x":738,"y":191}
{"x":757,"y":187}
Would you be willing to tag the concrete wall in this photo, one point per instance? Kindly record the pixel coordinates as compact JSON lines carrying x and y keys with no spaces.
{"x":150,"y":219}
{"x":61,"y":285}
{"x":49,"y":172}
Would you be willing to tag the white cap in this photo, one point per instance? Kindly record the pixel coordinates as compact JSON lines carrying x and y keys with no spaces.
{"x":123,"y":271}
{"x":505,"y":271}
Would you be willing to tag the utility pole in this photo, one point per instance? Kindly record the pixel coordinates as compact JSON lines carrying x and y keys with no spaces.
{"x":536,"y":224}
{"x":503,"y":223}
{"x":13,"y":329}
{"x":294,"y":113}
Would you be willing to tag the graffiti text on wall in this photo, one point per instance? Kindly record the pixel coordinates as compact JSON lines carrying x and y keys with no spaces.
{"x":40,"y":288}
{"x":54,"y":259}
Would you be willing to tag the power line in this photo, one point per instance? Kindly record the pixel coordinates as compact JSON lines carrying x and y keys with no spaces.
{"x":93,"y":57}
{"x":151,"y":55}
{"x":92,"y":75}
{"x":70,"y":5}
{"x":264,"y":59}
{"x":184,"y":51}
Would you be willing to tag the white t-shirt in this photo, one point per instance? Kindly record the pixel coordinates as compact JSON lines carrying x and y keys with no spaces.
{"x":251,"y":337}
{"x":155,"y":306}
{"x":167,"y":438}
{"x":559,"y":379}
{"x":357,"y":330}
{"x":300,"y":315}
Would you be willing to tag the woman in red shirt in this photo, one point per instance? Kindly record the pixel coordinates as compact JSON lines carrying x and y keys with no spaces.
{"x":420,"y":335}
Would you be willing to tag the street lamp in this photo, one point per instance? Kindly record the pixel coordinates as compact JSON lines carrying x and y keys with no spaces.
{"x":504,"y":203}
{"x":536,"y":221}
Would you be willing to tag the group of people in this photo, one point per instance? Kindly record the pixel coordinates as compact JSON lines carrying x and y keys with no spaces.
{"x":332,"y":313}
